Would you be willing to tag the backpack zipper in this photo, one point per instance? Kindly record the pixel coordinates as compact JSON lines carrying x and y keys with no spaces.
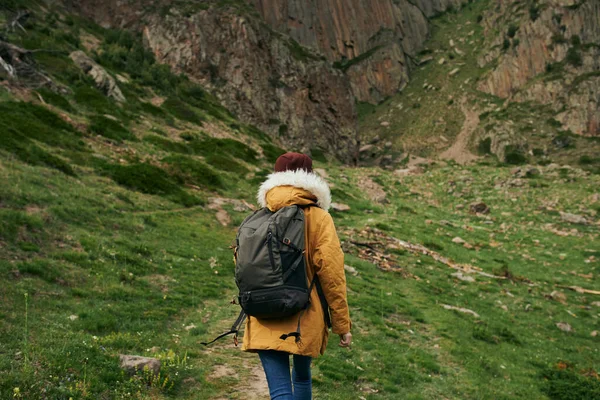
{"x":270,"y":247}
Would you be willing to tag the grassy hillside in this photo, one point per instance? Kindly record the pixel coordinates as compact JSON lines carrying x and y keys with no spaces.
{"x":110,"y":244}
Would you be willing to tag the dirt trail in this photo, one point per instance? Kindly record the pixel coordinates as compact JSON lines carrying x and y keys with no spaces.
{"x":459,"y":150}
{"x":252,"y":384}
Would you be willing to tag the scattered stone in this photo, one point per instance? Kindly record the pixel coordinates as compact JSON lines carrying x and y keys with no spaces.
{"x":340,"y":207}
{"x":595,"y":303}
{"x":372,"y":189}
{"x":525,"y":172}
{"x":103,"y":80}
{"x":461,"y":277}
{"x":154,"y":349}
{"x":425,"y":60}
{"x":385,"y":124}
{"x":459,"y":207}
{"x":460,"y":309}
{"x":573,"y":218}
{"x":413,"y":170}
{"x":375,"y":140}
{"x":190,"y":327}
{"x":479,"y":208}
{"x":451,"y":43}
{"x":442,"y":61}
{"x":73,"y":317}
{"x":459,"y":52}
{"x":388,"y":145}
{"x":366,"y":148}
{"x":223,"y":217}
{"x":458,"y":240}
{"x":558,"y":296}
{"x":594,"y":334}
{"x":504,"y":307}
{"x":350,"y":270}
{"x":454,"y":72}
{"x":563,"y":326}
{"x":132,"y":364}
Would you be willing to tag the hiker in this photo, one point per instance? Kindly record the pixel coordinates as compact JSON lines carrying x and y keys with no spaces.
{"x":293,"y":182}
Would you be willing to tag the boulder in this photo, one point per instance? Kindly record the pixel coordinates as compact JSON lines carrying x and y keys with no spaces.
{"x":340,"y":207}
{"x":479,"y":208}
{"x":573,"y":218}
{"x":103,"y":80}
{"x":558,"y":296}
{"x":350,"y":270}
{"x":132,"y":364}
{"x":563,"y":326}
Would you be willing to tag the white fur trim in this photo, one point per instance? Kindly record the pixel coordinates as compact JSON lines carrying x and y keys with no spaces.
{"x":301,"y":179}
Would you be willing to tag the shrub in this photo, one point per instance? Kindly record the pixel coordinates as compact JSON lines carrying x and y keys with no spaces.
{"x":514,"y":155}
{"x":485,"y":146}
{"x":505,"y":44}
{"x":145,"y":178}
{"x":180,"y":110}
{"x":233,"y":148}
{"x":575,"y":40}
{"x":272,"y":152}
{"x":189,"y":171}
{"x":574,"y":58}
{"x":55,"y":99}
{"x":318,"y":154}
{"x":109,"y":128}
{"x":20,"y":122}
{"x":565,"y":383}
{"x":534,"y":12}
{"x":223,"y":162}
{"x":587,"y":160}
{"x":512,"y":31}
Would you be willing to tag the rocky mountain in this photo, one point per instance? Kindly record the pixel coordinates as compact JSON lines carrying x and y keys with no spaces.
{"x":298,"y":75}
{"x":554,"y":58}
{"x":297,"y":69}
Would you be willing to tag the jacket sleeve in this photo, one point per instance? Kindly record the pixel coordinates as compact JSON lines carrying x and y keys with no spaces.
{"x":328,"y":259}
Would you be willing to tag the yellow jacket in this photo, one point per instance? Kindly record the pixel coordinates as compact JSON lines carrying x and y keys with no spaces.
{"x":324,"y":257}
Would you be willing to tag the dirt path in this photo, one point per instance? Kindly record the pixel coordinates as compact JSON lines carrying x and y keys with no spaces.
{"x":459,"y":150}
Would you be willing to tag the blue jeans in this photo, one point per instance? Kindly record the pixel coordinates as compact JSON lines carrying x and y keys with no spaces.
{"x":277,"y":369}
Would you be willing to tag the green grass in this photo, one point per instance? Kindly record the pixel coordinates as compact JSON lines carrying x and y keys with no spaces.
{"x":109,"y":128}
{"x":106,"y":249}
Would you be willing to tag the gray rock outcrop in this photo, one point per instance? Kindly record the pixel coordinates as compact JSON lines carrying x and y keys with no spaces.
{"x":103,"y":80}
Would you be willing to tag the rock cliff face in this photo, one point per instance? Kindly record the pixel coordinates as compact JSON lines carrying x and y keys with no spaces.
{"x":372,"y":40}
{"x":264,"y":77}
{"x":549,"y":53}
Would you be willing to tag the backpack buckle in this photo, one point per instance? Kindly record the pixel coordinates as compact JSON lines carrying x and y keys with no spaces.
{"x":287,"y":241}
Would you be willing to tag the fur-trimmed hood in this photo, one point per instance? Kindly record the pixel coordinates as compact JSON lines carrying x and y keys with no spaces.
{"x":301,"y":179}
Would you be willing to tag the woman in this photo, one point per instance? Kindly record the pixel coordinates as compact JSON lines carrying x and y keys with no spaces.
{"x":293,"y":182}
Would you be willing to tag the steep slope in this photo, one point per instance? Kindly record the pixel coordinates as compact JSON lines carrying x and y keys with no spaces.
{"x":555,"y":58}
{"x":475,"y":55}
{"x":374,"y":42}
{"x":265,"y":78}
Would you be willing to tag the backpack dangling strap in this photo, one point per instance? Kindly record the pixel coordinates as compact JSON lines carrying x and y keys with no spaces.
{"x":297,"y":334}
{"x":234,"y":329}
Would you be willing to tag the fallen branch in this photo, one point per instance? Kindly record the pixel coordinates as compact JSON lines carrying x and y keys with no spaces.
{"x":460,"y":309}
{"x":579,"y":289}
{"x":366,"y":244}
{"x":419,"y":249}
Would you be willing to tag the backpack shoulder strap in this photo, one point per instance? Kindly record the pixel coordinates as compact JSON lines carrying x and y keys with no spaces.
{"x":234,"y":329}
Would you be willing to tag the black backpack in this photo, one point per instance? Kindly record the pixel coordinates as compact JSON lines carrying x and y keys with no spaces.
{"x":270,"y":269}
